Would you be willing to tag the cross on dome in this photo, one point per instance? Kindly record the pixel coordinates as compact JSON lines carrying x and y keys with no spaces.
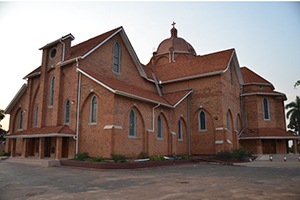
{"x":173,"y":24}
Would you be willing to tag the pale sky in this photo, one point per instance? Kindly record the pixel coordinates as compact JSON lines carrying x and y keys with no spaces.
{"x":266,"y":35}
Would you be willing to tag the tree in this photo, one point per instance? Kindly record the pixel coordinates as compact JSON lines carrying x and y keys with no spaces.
{"x":294,"y":114}
{"x":2,"y":132}
{"x":297,"y":84}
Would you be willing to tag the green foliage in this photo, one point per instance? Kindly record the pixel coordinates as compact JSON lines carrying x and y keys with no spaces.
{"x":293,"y":115}
{"x":81,"y":156}
{"x":297,"y":84}
{"x":181,"y":156}
{"x":98,"y":159}
{"x":118,"y":158}
{"x":3,"y":153}
{"x":143,"y":155}
{"x":240,"y":153}
{"x":157,"y":158}
{"x":2,"y":131}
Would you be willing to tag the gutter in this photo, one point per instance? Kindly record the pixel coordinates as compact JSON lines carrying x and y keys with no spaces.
{"x":64,"y":46}
{"x":78,"y":107}
{"x":152,"y":130}
{"x":40,"y":135}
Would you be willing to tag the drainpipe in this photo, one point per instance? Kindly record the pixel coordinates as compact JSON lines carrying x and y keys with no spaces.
{"x":189,"y":123}
{"x":63,"y":56}
{"x":78,"y":104}
{"x":242,"y":107}
{"x":153,"y":117}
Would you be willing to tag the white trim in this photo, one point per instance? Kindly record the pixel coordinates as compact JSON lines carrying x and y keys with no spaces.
{"x":16,"y":98}
{"x":106,"y":127}
{"x":270,"y":137}
{"x":220,"y":128}
{"x":60,"y":64}
{"x":219,"y":142}
{"x":33,"y":75}
{"x":41,"y":135}
{"x":263,"y":93}
{"x":173,"y":133}
{"x":192,"y":91}
{"x":228,"y":141}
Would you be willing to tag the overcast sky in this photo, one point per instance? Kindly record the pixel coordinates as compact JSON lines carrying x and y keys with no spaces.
{"x":266,"y":35}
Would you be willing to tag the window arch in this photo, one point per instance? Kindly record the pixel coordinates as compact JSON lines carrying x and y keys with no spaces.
{"x":35,"y":116}
{"x":228,"y":121}
{"x":93,"y":109}
{"x":67,"y":112}
{"x":159,"y":126}
{"x":237,"y":124}
{"x":180,"y":130}
{"x":51,"y":91}
{"x":202,"y":121}
{"x":132,"y":123}
{"x":231,"y":74}
{"x":266,"y":109}
{"x":117,"y":53}
{"x":20,"y":120}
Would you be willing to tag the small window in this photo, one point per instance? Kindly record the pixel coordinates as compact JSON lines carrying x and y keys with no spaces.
{"x":51,"y":91}
{"x":67,"y":112}
{"x":117,"y":53}
{"x":231,"y":74}
{"x":179,"y":130}
{"x":261,"y":87}
{"x":202,"y":121}
{"x":228,"y":121}
{"x":35,"y":116}
{"x":266,"y":109}
{"x":93,"y":109}
{"x":52,"y":53}
{"x":159,"y":127}
{"x":132,"y":123}
{"x":20,"y":120}
{"x":237,"y":124}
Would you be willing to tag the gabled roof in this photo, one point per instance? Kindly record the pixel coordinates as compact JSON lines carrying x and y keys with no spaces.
{"x":57,"y":41}
{"x":200,"y":66}
{"x":250,"y":76}
{"x":16,"y":98}
{"x":34,"y":73}
{"x":268,"y":133}
{"x":135,"y":92}
{"x":47,"y":131}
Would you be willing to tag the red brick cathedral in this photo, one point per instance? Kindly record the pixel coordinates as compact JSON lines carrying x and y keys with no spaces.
{"x":97,"y":97}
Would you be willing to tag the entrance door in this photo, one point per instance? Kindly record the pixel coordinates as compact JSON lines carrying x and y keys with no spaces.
{"x":47,"y":147}
{"x":65,"y":147}
{"x":268,"y":146}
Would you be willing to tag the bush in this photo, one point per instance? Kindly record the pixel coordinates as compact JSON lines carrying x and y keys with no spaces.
{"x":240,"y":153}
{"x":81,"y":156}
{"x":143,"y":155}
{"x":3,"y":153}
{"x":98,"y":159}
{"x":157,"y":158}
{"x":118,"y":158}
{"x":225,"y":154}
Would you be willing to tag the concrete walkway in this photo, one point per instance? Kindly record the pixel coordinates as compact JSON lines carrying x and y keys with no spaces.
{"x":45,"y":162}
{"x":292,"y":161}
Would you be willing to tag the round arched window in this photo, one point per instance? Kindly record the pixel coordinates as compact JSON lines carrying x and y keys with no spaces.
{"x":53,"y":53}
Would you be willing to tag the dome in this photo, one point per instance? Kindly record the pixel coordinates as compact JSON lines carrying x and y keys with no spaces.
{"x":175,"y":44}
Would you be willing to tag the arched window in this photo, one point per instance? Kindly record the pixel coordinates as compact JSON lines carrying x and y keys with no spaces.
{"x":132,"y":123}
{"x":237,"y":124}
{"x":231,"y":74}
{"x":266,"y":109}
{"x":51,"y":91}
{"x":159,"y":127}
{"x":20,"y":120}
{"x":35,"y":116}
{"x":179,"y":130}
{"x":228,"y":121}
{"x":202,"y":121}
{"x":93,"y":109}
{"x":117,"y":53}
{"x":67,"y":112}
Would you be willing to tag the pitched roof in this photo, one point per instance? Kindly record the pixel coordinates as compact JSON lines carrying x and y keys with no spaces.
{"x":16,"y":98}
{"x":190,"y":67}
{"x":250,"y":76}
{"x":35,"y":72}
{"x":47,"y":131}
{"x":267,"y":133}
{"x":133,"y":91}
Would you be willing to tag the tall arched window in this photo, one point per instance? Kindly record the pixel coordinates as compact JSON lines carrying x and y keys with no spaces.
{"x":67,"y":112}
{"x":159,"y":127}
{"x":179,"y":130}
{"x":228,"y":121}
{"x":202,"y":121}
{"x":35,"y":116}
{"x":132,"y":123}
{"x":231,"y":74}
{"x":237,"y":124}
{"x":117,"y":53}
{"x":266,"y":109}
{"x":51,"y":91}
{"x":20,"y":120}
{"x":93,"y":109}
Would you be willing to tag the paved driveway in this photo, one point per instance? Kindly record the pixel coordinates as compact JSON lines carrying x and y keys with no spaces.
{"x":194,"y":181}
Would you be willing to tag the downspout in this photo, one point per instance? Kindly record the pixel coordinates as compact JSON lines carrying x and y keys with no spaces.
{"x":242,"y":107}
{"x":189,"y":123}
{"x":78,"y":106}
{"x":153,"y":117}
{"x":63,"y":56}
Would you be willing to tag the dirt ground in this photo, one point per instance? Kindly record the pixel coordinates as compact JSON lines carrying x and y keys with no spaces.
{"x":193,"y":181}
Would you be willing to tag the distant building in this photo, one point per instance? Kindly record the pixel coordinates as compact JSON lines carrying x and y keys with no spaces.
{"x":97,"y":97}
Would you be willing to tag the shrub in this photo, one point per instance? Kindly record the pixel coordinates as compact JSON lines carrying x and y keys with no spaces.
{"x":225,"y":154}
{"x":3,"y":153}
{"x":143,"y":155}
{"x":81,"y":156}
{"x":241,"y":154}
{"x":157,"y":158}
{"x":118,"y":158}
{"x":98,"y":159}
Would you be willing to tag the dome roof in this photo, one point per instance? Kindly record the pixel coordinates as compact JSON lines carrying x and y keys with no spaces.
{"x":176,"y":44}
